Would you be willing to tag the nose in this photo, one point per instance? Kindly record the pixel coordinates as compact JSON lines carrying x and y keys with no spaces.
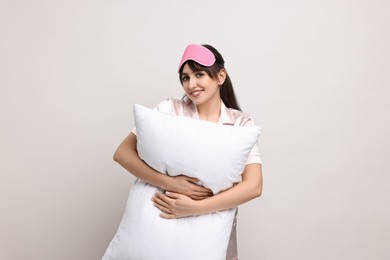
{"x":192,"y":82}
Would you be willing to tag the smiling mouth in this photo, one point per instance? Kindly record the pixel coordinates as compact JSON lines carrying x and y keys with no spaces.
{"x":196,"y":93}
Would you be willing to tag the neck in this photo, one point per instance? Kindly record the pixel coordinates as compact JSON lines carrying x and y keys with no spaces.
{"x":209,"y":111}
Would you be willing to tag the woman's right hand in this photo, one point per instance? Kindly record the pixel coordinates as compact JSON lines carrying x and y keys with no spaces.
{"x":187,"y":186}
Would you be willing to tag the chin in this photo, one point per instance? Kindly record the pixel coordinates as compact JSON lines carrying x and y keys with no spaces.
{"x":196,"y":101}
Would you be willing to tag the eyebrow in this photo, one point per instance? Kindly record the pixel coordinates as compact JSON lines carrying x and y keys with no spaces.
{"x":193,"y":71}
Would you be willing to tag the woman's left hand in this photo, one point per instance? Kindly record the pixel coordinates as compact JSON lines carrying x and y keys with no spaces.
{"x":175,"y":205}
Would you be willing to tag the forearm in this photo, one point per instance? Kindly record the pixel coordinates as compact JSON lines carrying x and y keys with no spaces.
{"x":248,"y":189}
{"x":126,"y":155}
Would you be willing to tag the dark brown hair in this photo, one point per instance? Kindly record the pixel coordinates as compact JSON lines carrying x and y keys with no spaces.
{"x":226,"y":89}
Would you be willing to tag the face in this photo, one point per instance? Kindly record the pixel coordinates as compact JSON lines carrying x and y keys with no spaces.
{"x":199,"y":87}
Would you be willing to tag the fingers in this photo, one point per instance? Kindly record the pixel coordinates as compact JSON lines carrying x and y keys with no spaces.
{"x":198,"y":191}
{"x":194,"y":194}
{"x":191,"y":179}
{"x":161,"y":200}
{"x":167,"y":216}
{"x":200,"y":188}
{"x":173,"y":195}
{"x":197,"y":186}
{"x":192,"y":188}
{"x":173,"y":205}
{"x":197,"y":197}
{"x":165,"y":210}
{"x":202,"y":193}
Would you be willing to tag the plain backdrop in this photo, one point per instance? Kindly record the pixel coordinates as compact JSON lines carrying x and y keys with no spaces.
{"x":313,"y":74}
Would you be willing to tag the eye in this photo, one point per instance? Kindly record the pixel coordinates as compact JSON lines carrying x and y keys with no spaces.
{"x":184,"y":78}
{"x":199,"y":74}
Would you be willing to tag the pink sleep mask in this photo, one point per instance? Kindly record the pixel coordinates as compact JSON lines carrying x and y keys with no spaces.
{"x":199,"y":54}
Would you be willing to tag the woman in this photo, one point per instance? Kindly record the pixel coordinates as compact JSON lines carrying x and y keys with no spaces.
{"x":209,"y":95}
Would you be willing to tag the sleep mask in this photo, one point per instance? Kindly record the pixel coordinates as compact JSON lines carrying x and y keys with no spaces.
{"x":199,"y":54}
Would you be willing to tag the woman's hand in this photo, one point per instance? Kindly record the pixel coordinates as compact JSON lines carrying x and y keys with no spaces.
{"x":175,"y":205}
{"x":187,"y":186}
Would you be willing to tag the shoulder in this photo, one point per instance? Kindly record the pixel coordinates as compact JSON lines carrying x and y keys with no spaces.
{"x":171,"y":106}
{"x":239,"y":118}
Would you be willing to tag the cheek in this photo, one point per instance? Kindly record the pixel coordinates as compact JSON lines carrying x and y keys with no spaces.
{"x":184,"y":86}
{"x":210,"y":82}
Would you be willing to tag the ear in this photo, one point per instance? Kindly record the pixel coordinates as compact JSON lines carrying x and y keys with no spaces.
{"x":221,"y":76}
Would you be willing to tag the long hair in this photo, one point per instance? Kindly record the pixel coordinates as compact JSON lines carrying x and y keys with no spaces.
{"x":226,"y":90}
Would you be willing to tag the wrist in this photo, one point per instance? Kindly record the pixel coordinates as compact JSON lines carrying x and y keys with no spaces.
{"x":201,"y":206}
{"x":166,"y":182}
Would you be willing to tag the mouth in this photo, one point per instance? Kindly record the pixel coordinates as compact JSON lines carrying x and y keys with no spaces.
{"x":196,"y":93}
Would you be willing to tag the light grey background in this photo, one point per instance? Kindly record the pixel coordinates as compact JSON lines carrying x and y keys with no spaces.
{"x":314,"y":75}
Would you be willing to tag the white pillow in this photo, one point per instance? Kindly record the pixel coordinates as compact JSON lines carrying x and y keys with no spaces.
{"x":174,"y":145}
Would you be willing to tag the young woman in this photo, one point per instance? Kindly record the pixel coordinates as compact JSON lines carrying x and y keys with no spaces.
{"x":209,"y":95}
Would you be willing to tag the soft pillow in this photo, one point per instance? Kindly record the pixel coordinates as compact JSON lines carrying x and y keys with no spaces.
{"x":174,"y":145}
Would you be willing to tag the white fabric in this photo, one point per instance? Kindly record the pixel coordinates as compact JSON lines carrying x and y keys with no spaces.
{"x":215,"y":154}
{"x":228,"y":116}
